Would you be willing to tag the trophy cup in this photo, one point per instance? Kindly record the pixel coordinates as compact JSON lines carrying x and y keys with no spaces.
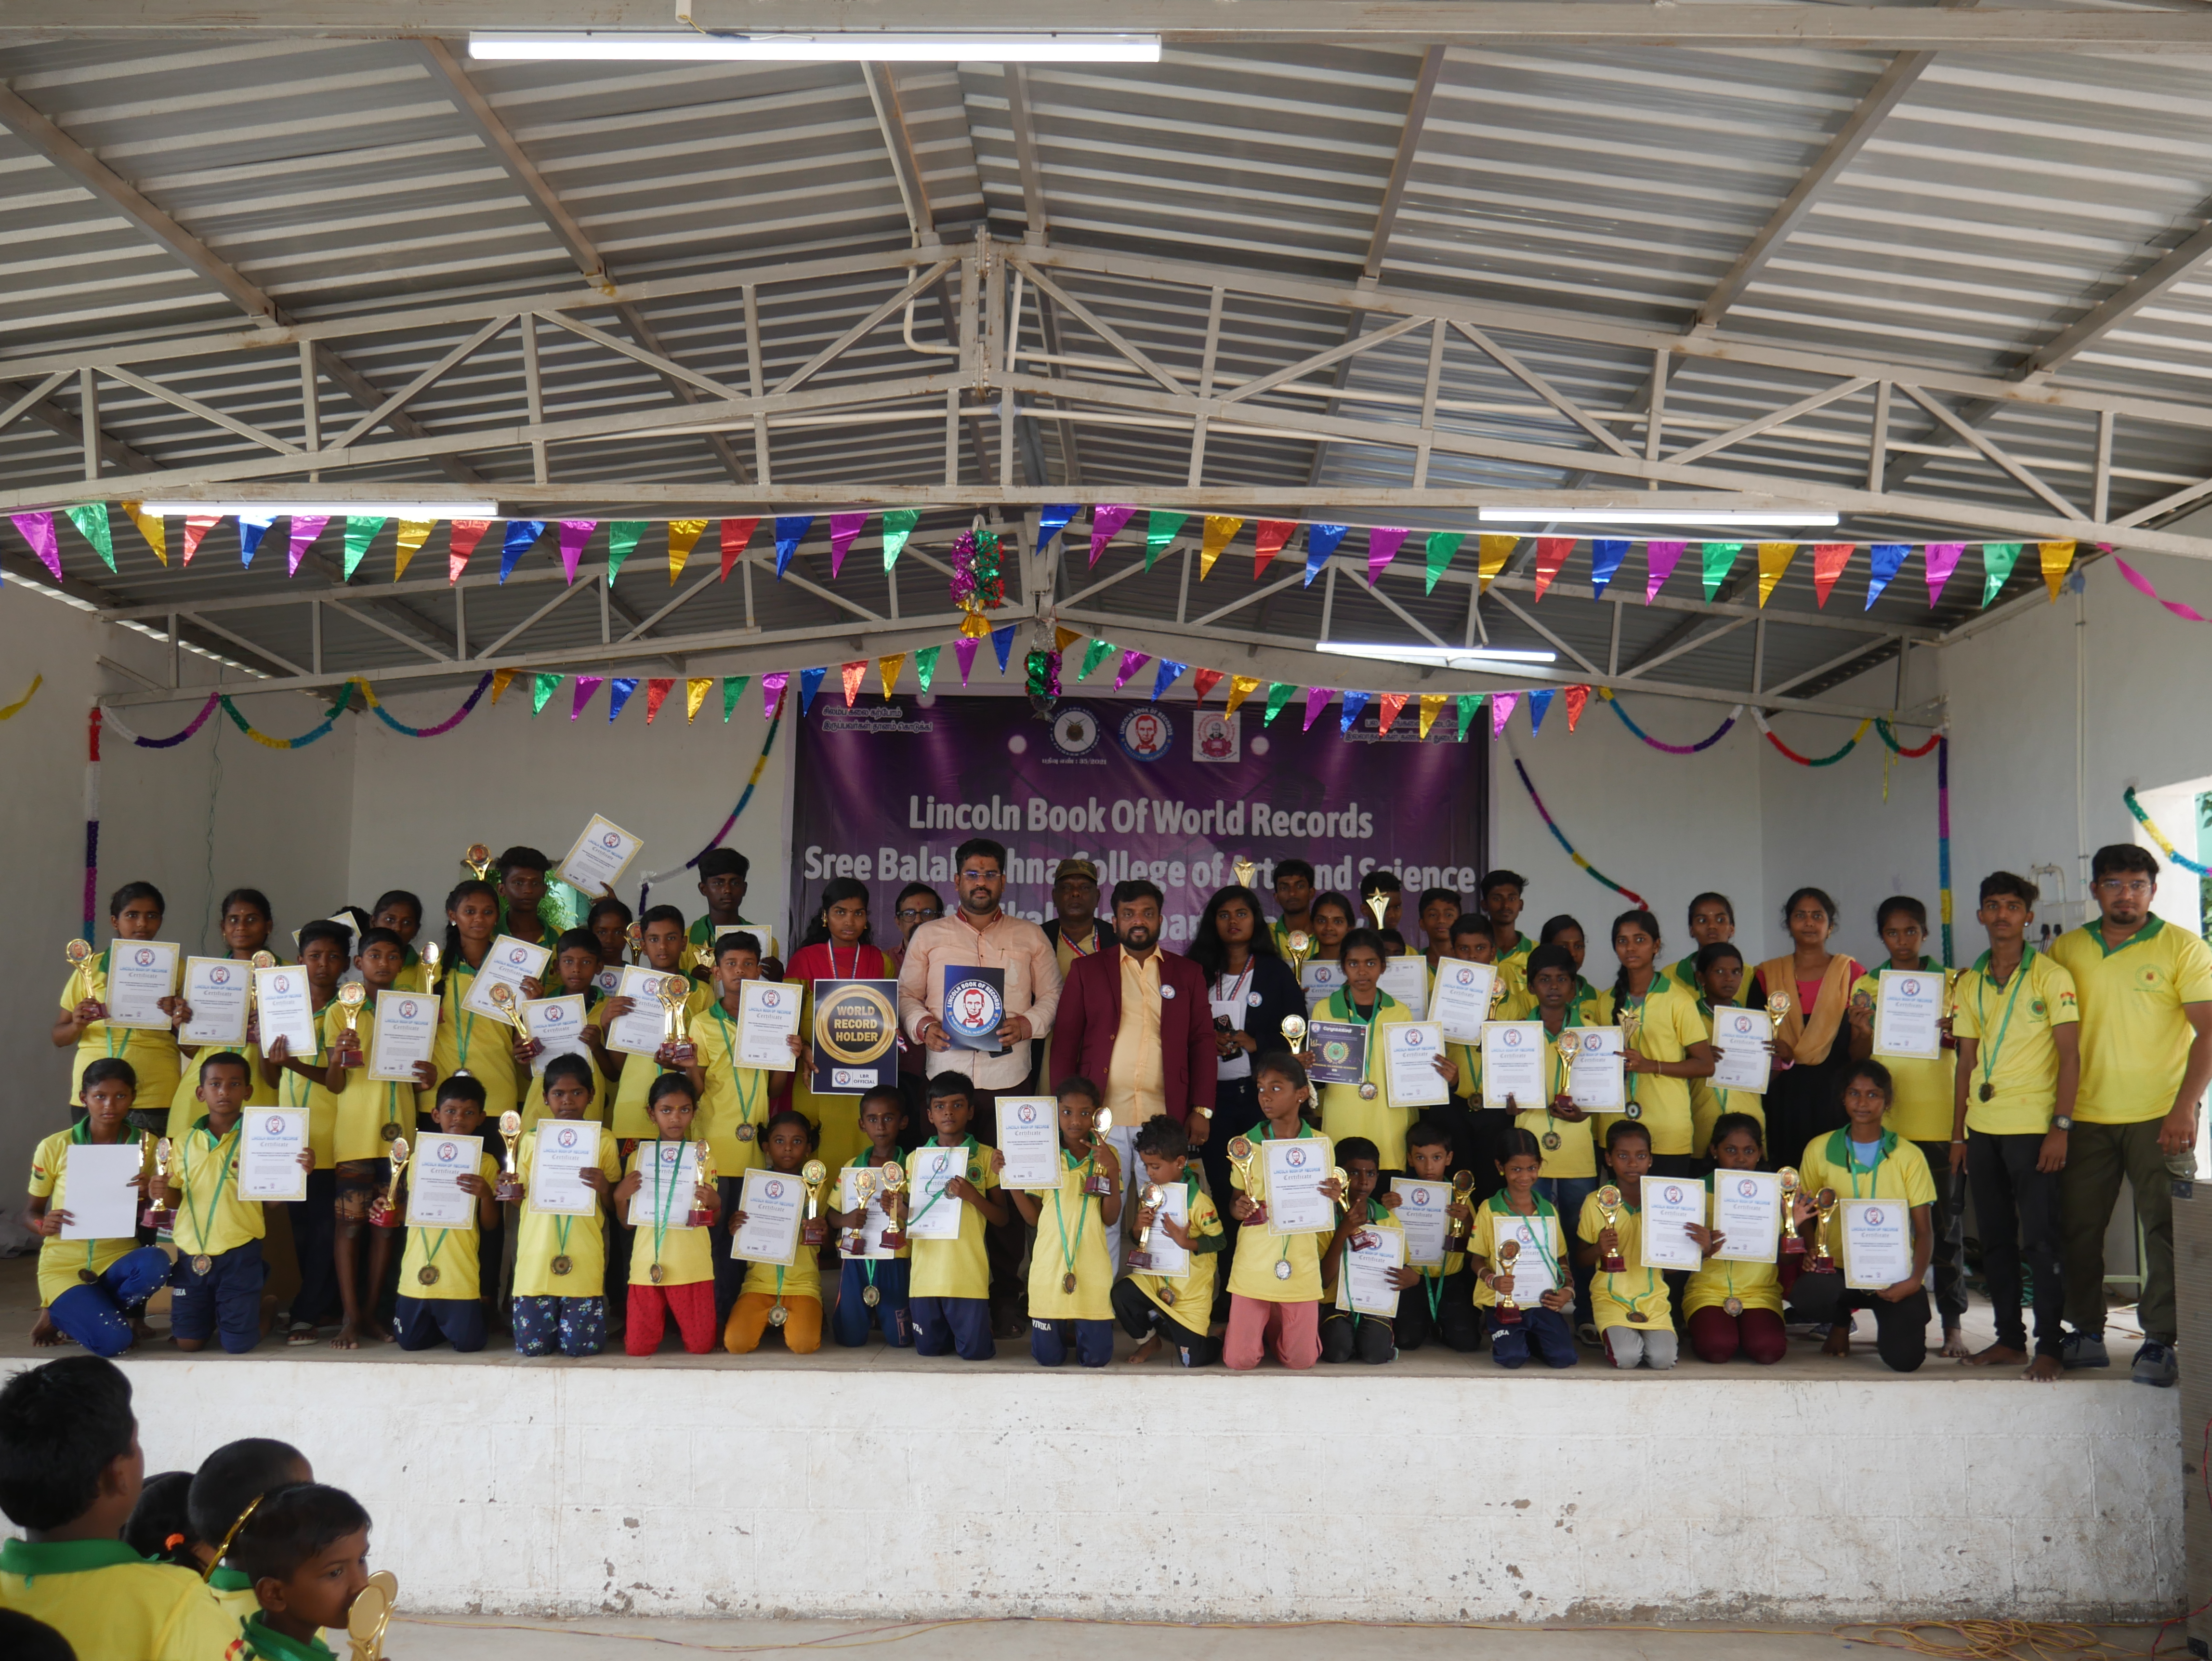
{"x":1463,"y":1185}
{"x":1149,"y":1208}
{"x":351,"y":997}
{"x":635,"y":934}
{"x":1298,"y":947}
{"x":264,"y":959}
{"x":1241,"y":1154}
{"x":893,"y":1183}
{"x":814,"y":1175}
{"x":1379,"y":905}
{"x":478,"y":860}
{"x":1608,"y":1207}
{"x":509,"y":1189}
{"x":1294,"y":1032}
{"x":1777,"y":1005}
{"x":1571,"y":1045}
{"x":1246,"y":870}
{"x":430,"y":955}
{"x":1343,"y":1181}
{"x":1631,"y":1024}
{"x":1101,"y":1123}
{"x":697,"y":1215}
{"x":384,"y":1209}
{"x":1793,"y":1242}
{"x":672,"y":990}
{"x":370,"y":1614}
{"x":851,"y":1240}
{"x":1821,"y":1262}
{"x":157,"y":1214}
{"x":77,"y":951}
{"x":1509,"y":1312}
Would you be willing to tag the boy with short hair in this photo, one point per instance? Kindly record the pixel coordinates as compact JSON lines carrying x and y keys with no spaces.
{"x":306,"y":1549}
{"x":1502,"y":902}
{"x":882,"y":1122}
{"x":1635,"y":1318}
{"x":1440,"y":1303}
{"x":560,"y":1259}
{"x":792,"y":1288}
{"x":2018,"y":1023}
{"x":1439,"y":910}
{"x":576,"y":962}
{"x":661,"y":938}
{"x":951,"y":1279}
{"x":1159,"y":1308}
{"x":723,"y":873}
{"x":1345,"y":1332}
{"x":1294,"y":892}
{"x":227,"y":1486}
{"x":1071,"y":1266}
{"x":90,"y":1291}
{"x":70,"y":1473}
{"x":521,"y":872}
{"x":609,"y":920}
{"x":401,"y":911}
{"x":671,"y":1267}
{"x":217,"y":1281}
{"x":440,"y":1276}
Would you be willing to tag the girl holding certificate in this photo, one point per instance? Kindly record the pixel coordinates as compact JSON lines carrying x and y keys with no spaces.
{"x":1071,"y":1272}
{"x":1863,"y":1162}
{"x":1717,"y":970}
{"x":469,"y":1043}
{"x":1564,"y":1136}
{"x":1733,"y":1307}
{"x":672,"y":1269}
{"x":135,"y":910}
{"x":92,"y":1285}
{"x":786,"y":1296}
{"x":1669,"y":1048}
{"x":301,"y":1086}
{"x":246,"y":924}
{"x":837,"y":946}
{"x":1253,"y":991}
{"x":1812,"y":986}
{"x":1274,"y":1283}
{"x":1365,"y":1109}
{"x":1629,"y":1302}
{"x":560,"y":1255}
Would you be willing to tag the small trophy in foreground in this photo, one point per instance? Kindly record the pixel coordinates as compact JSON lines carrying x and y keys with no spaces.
{"x":509,"y":1191}
{"x":1509,"y":1312}
{"x":1793,"y":1242}
{"x":370,"y":1615}
{"x":1608,"y":1207}
{"x":1102,"y":1124}
{"x":156,"y":1214}
{"x":1149,"y":1212}
{"x":384,"y":1209}
{"x":1821,"y":1262}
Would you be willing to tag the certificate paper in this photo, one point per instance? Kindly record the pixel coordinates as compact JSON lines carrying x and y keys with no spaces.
{"x":288,"y":1010}
{"x":558,"y":1025}
{"x":1596,"y":1080}
{"x":1296,"y":1171}
{"x":1162,"y":1255}
{"x":1410,"y":1050}
{"x":1460,"y":1002}
{"x":1877,"y":1240}
{"x":1423,"y":1216}
{"x":1908,"y":1003}
{"x":1340,"y":1051}
{"x":1669,"y":1203}
{"x":1747,"y":1215}
{"x":509,"y":963}
{"x":1532,"y":1268}
{"x":1740,"y":1039}
{"x":219,"y":991}
{"x":678,"y":1175}
{"x":1369,"y":1255}
{"x":96,"y":1190}
{"x":270,"y":1143}
{"x":873,"y":1224}
{"x":1513,"y":1064}
{"x":1406,"y":979}
{"x":1319,"y":980}
{"x":1029,"y":1135}
{"x":601,"y":854}
{"x":772,"y":1203}
{"x":566,"y":1149}
{"x":140,"y":974}
{"x":406,"y":1033}
{"x":434,"y":1198}
{"x":932,"y":1213}
{"x":645,"y":1029}
{"x":767,"y":1020}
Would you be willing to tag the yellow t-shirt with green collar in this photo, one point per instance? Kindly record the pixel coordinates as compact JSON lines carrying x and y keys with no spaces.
{"x":1671,"y":1024}
{"x":1899,"y":1172}
{"x":542,"y":1236}
{"x":1617,"y":1295}
{"x":211,"y":1217}
{"x":799,"y":1278}
{"x":1071,"y":1235}
{"x":303,"y":1095}
{"x":185,"y":1107}
{"x":699,"y":942}
{"x":1252,"y":1274}
{"x":734,"y":1099}
{"x":479,"y":1045}
{"x":1186,"y":1299}
{"x":1684,"y":973}
{"x":1518,"y":1004}
{"x":414,"y":974}
{"x":1713,"y":1282}
{"x":1496,"y":1215}
{"x":632,"y":1122}
{"x":451,"y":1251}
{"x":955,"y":1268}
{"x":1344,"y":1111}
{"x":153,"y":1055}
{"x":1708,"y":1103}
{"x":1922,"y":1110}
{"x":359,"y":1113}
{"x":2014,"y":1028}
{"x":1570,"y":1145}
{"x":685,"y":1255}
{"x":108,"y":1602}
{"x":59,"y":1260}
{"x":603,"y":1087}
{"x":2134,"y":1034}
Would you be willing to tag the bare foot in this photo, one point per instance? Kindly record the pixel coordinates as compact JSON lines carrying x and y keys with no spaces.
{"x":1954,"y":1344}
{"x":1839,"y":1339}
{"x":44,"y":1334}
{"x":348,"y":1336}
{"x":141,"y":1332}
{"x":2043,"y":1370}
{"x":1997,"y":1355}
{"x":1145,"y":1351}
{"x":376,"y":1330}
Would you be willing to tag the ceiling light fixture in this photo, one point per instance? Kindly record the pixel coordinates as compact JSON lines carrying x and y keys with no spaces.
{"x":852,"y":48}
{"x":328,"y":509}
{"x":1443,"y":657}
{"x":1660,"y":515}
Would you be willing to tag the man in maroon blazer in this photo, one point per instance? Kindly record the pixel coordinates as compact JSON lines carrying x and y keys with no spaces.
{"x":1134,"y":1019}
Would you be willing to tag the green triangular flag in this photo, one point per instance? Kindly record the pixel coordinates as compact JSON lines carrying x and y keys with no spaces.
{"x":621,"y":537}
{"x":91,"y":521}
{"x":1160,"y":529}
{"x":1094,"y":654}
{"x":1469,"y":703}
{"x":541,"y":687}
{"x":733,"y":688}
{"x":898,"y":526}
{"x":1279,"y":694}
{"x":359,"y":534}
{"x":1997,"y":559}
{"x":1442,"y":544}
{"x":925,"y":665}
{"x":1719,"y":556}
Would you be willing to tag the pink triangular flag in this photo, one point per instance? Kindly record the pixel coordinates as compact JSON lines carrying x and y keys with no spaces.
{"x":1131,"y":662}
{"x":1502,"y":704}
{"x":1551,"y":557}
{"x":196,"y":526}
{"x":1382,"y":543}
{"x":305,"y":528}
{"x":851,"y":674}
{"x":575,"y":533}
{"x":1317,"y":699}
{"x":1943,"y":558}
{"x":1105,"y":522}
{"x":964,"y":649}
{"x":772,"y":687}
{"x":586,"y":685}
{"x":38,"y":530}
{"x":1659,"y":565}
{"x":843,"y":527}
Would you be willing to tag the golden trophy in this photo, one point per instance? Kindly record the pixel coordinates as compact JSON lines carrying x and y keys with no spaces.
{"x":672,"y":990}
{"x":384,"y":1209}
{"x":1246,"y":870}
{"x":1241,"y":1156}
{"x":1343,"y":1181}
{"x":1793,"y":1242}
{"x":430,"y":954}
{"x":1631,"y":1024}
{"x":478,"y":860}
{"x":370,"y":1614}
{"x":1462,"y":1186}
{"x":850,"y":1240}
{"x":1821,"y":1262}
{"x":1148,"y":1212}
{"x":1298,"y":946}
{"x":264,"y":959}
{"x":892,"y":1181}
{"x":1294,"y":1032}
{"x":351,"y":997}
{"x":510,"y":1132}
{"x":1102,"y":1124}
{"x":1777,"y":1005}
{"x":1509,"y":1312}
{"x":77,"y":951}
{"x":635,"y":934}
{"x":1608,"y":1208}
{"x":698,"y":1216}
{"x":1379,"y":905}
{"x":158,"y":1214}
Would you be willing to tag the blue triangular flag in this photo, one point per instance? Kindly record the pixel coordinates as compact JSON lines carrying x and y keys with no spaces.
{"x":1605,"y":555}
{"x":1539,"y":703}
{"x":1052,"y":519}
{"x":521,"y":534}
{"x":810,"y":683}
{"x":1002,"y":643}
{"x":1887,"y":559}
{"x":1168,"y":675}
{"x":251,"y":529}
{"x":618,"y":693}
{"x":1321,"y":543}
{"x":1353,"y":704}
{"x":788,"y":531}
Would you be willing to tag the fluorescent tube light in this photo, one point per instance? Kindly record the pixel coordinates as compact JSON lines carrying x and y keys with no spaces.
{"x":856,"y":47}
{"x":1659,"y":516}
{"x":1445,"y":657}
{"x":328,"y":509}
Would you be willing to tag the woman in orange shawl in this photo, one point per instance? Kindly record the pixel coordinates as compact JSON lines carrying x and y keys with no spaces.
{"x":1808,"y":991}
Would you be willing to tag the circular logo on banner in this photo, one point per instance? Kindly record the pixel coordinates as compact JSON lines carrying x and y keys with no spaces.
{"x":1075,"y":731}
{"x":566,"y":1138}
{"x":975,"y":1009}
{"x":1146,"y":733}
{"x":854,"y":1025}
{"x":142,"y":958}
{"x":218,"y":976}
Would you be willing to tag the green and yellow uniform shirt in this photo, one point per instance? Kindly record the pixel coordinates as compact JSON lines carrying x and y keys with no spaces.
{"x":1493,"y":1220}
{"x":153,"y":1055}
{"x":262,"y":1643}
{"x":1671,"y":1024}
{"x":699,"y":943}
{"x":107,"y":1601}
{"x":1071,"y":1238}
{"x":211,"y":1219}
{"x":1922,"y":1110}
{"x":1684,"y":973}
{"x":632,"y":1122}
{"x":451,"y":1251}
{"x":733,"y":1099}
{"x":956,"y":1267}
{"x":1252,"y":1275}
{"x":2014,"y":1028}
{"x":603,"y":1087}
{"x":545,"y":1235}
{"x":1344,"y":1111}
{"x":1707,"y":1104}
{"x":1189,"y":1299}
{"x":1712,"y":1283}
{"x":2134,"y":1034}
{"x":685,"y":1255}
{"x":479,"y":1045}
{"x":1899,"y":1172}
{"x":359,"y":1112}
{"x":1379,"y":1217}
{"x":1570,"y":1148}
{"x":802,"y":1277}
{"x":1629,"y":1291}
{"x":309,"y":1096}
{"x":62,"y":1261}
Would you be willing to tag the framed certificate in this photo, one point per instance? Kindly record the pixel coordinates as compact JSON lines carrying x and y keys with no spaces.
{"x":140,"y":974}
{"x":270,"y":1143}
{"x":767,"y":1020}
{"x":288,"y":1010}
{"x":600,"y":857}
{"x":1907,"y":1007}
{"x":434,"y":1196}
{"x":1319,"y":980}
{"x":1029,"y":1136}
{"x":1423,"y":1213}
{"x":931,"y":1213}
{"x":1459,"y":1001}
{"x":1513,"y":1057}
{"x":1742,"y":1061}
{"x":1532,"y":1269}
{"x":566,"y":1149}
{"x":1296,"y":1171}
{"x":1406,"y":979}
{"x":1410,"y":1050}
{"x":406,"y":1033}
{"x":774,"y":1204}
{"x":1340,"y":1051}
{"x":1670,"y":1205}
{"x":1597,"y":1079}
{"x":221,"y":993}
{"x":1747,"y":1215}
{"x":1877,"y":1241}
{"x":509,"y":963}
{"x":1362,"y":1281}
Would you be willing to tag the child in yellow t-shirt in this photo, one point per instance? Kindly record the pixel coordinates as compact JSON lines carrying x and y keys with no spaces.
{"x":735,"y":1101}
{"x":560,"y":1258}
{"x":1347,"y":1333}
{"x":246,"y":922}
{"x":440,"y":1275}
{"x":1720,"y":973}
{"x":576,"y":972}
{"x":1518,"y":1213}
{"x":951,"y":1283}
{"x":1172,"y":1309}
{"x":306,"y":1550}
{"x":229,"y":1483}
{"x":218,"y":1280}
{"x":1071,"y":1270}
{"x":672,"y":1268}
{"x":401,"y":911}
{"x":874,"y":1291}
{"x":90,"y":1291}
{"x":1635,"y":1319}
{"x":661,"y":935}
{"x":784,"y":1295}
{"x":1274,"y":1279}
{"x":1439,"y":1303}
{"x":483,"y":1046}
{"x":136,"y":910}
{"x":1730,"y":1307}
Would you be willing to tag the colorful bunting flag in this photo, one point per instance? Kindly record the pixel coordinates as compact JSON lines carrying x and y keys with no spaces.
{"x":1443,"y":546}
{"x":1002,"y":643}
{"x":575,"y":533}
{"x":1719,"y":559}
{"x":851,"y":674}
{"x":1353,"y":704}
{"x":1829,"y":559}
{"x":1203,"y":683}
{"x":1169,"y":673}
{"x":735,"y":534}
{"x":1221,"y":532}
{"x":522,"y":535}
{"x":924,"y":666}
{"x":963,"y":653}
{"x":1093,"y":654}
{"x":622,"y":537}
{"x":1774,"y":559}
{"x":1052,"y":519}
{"x":461,"y":538}
{"x":196,"y":526}
{"x":1492,"y":550}
{"x":772,"y":687}
{"x":1131,"y":662}
{"x":1501,"y":710}
{"x":1606,"y":556}
{"x":1577,"y":698}
{"x":1317,"y":699}
{"x":38,"y":530}
{"x":501,"y":678}
{"x":810,"y":683}
{"x":1321,"y":543}
{"x":90,"y":519}
{"x":301,"y":536}
{"x":1943,"y":558}
{"x":656,"y":693}
{"x":586,"y":685}
{"x":1551,"y":559}
{"x":887,"y":672}
{"x":1383,"y":542}
{"x":696,"y":688}
{"x":1540,"y":702}
{"x":157,"y":533}
{"x":1884,"y":560}
{"x":790,"y":529}
{"x":843,"y":527}
{"x":618,"y":691}
{"x":251,"y":527}
{"x":1161,"y":528}
{"x":1240,"y":688}
{"x":1279,"y":694}
{"x":2057,"y":560}
{"x":1470,"y":704}
{"x":898,"y":526}
{"x":1106,"y":522}
{"x":411,"y":535}
{"x":733,"y":688}
{"x":1269,"y":536}
{"x":1388,"y":707}
{"x":683,"y":535}
{"x":1064,"y":637}
{"x":1997,"y":561}
{"x":542,"y":685}
{"x":1432,"y":705}
{"x":1660,"y":559}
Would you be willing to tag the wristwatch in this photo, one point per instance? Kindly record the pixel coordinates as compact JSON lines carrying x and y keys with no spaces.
{"x":1203,"y":1112}
{"x":2060,"y":1121}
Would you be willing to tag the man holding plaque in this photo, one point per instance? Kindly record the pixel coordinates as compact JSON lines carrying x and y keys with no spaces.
{"x":2146,"y":994}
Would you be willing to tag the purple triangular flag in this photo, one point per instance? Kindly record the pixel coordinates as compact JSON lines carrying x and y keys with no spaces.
{"x":38,"y":530}
{"x":1884,"y":560}
{"x":1501,"y":705}
{"x":1321,"y":543}
{"x":1317,"y":699}
{"x":586,"y":685}
{"x":1353,"y":702}
{"x":1605,"y":555}
{"x":772,"y":687}
{"x":618,"y":695}
{"x":305,"y":528}
{"x":1131,"y":662}
{"x":575,"y":533}
{"x":1943,"y":558}
{"x":1105,"y":522}
{"x":964,"y":649}
{"x":1538,"y":703}
{"x":843,"y":527}
{"x":1659,"y":565}
{"x":1383,"y":542}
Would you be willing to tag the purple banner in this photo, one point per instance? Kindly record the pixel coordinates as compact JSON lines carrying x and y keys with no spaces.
{"x":886,"y":792}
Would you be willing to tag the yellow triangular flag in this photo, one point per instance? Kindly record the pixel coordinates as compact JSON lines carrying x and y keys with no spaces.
{"x":2057,"y":560}
{"x":1064,"y":638}
{"x":413,"y":533}
{"x":499,"y":680}
{"x":1774,"y":559}
{"x":695,"y":694}
{"x":888,"y":668}
{"x":1221,"y":532}
{"x":1432,"y":705}
{"x":1496,"y":551}
{"x":682,"y":533}
{"x":1240,"y":688}
{"x":150,"y":527}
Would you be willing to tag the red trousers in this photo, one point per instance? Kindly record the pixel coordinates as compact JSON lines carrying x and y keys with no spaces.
{"x":1296,"y":1328}
{"x":1757,"y":1335}
{"x":650,"y":1306}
